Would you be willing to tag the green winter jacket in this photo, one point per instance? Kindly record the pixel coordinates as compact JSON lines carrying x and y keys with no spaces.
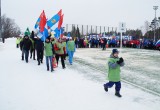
{"x":64,"y":44}
{"x":48,"y":49}
{"x":114,"y":69}
{"x":70,"y":46}
{"x":53,"y":42}
{"x":17,"y":41}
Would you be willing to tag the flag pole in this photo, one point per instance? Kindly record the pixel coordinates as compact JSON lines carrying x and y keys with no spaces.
{"x":60,"y":34}
{"x":44,"y":38}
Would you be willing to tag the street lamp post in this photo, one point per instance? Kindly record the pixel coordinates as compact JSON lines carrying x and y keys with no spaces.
{"x":155,"y":20}
{"x":0,"y":22}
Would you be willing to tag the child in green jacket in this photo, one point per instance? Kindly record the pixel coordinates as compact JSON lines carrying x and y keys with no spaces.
{"x":114,"y":65}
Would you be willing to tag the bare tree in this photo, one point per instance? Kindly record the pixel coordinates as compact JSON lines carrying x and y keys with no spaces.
{"x":9,"y":27}
{"x":147,"y":28}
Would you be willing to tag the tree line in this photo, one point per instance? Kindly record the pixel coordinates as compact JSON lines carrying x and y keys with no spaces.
{"x":9,"y":28}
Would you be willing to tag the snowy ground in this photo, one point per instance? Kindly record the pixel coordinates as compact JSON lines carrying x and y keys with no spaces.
{"x":142,"y":66}
{"x":78,"y":87}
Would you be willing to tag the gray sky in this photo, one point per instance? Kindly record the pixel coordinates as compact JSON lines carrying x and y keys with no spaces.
{"x":95,"y":12}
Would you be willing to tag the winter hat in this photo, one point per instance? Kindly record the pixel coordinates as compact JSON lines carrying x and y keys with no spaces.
{"x":26,"y":34}
{"x":115,"y":51}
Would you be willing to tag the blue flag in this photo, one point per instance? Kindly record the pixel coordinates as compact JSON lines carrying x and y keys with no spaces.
{"x":69,"y":35}
{"x":37,"y":23}
{"x":43,"y":35}
{"x":58,"y":32}
{"x":53,"y":20}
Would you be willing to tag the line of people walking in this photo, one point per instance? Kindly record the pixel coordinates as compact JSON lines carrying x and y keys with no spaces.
{"x":53,"y":50}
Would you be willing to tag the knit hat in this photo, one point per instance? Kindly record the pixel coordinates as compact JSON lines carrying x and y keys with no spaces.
{"x":115,"y":51}
{"x":26,"y":34}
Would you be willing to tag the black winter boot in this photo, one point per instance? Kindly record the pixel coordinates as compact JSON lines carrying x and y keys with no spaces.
{"x":118,"y":94}
{"x":22,"y":57}
{"x":26,"y":60}
{"x":47,"y":67}
{"x":38,"y":62}
{"x":105,"y":88}
{"x":52,"y":69}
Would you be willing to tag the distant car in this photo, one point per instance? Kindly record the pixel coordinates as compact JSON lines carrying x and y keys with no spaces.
{"x":133,"y":43}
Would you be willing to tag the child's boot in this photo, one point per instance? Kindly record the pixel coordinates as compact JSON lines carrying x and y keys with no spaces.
{"x":105,"y":88}
{"x":118,"y":94}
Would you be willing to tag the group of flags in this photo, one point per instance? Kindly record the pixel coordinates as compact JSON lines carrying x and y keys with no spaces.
{"x":43,"y":25}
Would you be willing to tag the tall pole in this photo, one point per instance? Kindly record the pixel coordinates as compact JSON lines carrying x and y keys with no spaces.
{"x":82,"y":31}
{"x":121,"y":41}
{"x":0,"y":22}
{"x":155,"y":20}
{"x":104,"y":31}
{"x":67,"y":28}
{"x":108,"y":29}
{"x":87,"y":30}
{"x":91,"y":29}
{"x":96,"y":29}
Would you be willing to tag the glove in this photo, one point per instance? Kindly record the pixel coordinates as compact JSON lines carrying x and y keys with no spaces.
{"x":120,"y":61}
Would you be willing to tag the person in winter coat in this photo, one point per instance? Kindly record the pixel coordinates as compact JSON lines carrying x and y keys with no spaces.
{"x":21,"y":42}
{"x":32,"y":50}
{"x":49,"y":54}
{"x":25,"y":47}
{"x":104,"y":44}
{"x":70,"y":50}
{"x":17,"y":42}
{"x":64,"y":47}
{"x":39,"y":46}
{"x":114,"y":65}
{"x":59,"y":50}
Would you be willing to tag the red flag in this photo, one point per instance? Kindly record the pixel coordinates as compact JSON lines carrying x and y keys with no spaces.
{"x":60,"y":12}
{"x":60,"y":22}
{"x":43,"y":21}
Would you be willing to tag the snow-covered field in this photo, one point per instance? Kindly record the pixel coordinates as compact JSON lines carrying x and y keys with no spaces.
{"x":78,"y":87}
{"x":142,"y":66}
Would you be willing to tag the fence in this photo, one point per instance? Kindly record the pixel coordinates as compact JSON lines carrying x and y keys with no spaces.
{"x":89,"y":29}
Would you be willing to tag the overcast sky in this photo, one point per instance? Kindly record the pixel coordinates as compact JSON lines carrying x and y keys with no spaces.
{"x":95,"y":12}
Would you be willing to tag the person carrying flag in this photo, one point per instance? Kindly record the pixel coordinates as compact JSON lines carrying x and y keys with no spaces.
{"x":39,"y":46}
{"x":59,"y":50}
